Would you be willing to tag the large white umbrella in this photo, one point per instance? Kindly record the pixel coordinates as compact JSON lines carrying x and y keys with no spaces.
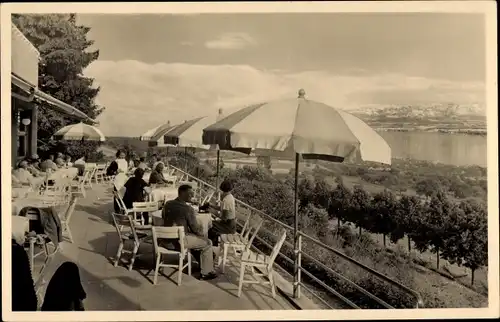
{"x":301,"y":128}
{"x":79,"y":131}
{"x":154,"y":136}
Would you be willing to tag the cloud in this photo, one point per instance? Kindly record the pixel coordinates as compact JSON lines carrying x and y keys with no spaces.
{"x":231,"y":41}
{"x":139,"y":96}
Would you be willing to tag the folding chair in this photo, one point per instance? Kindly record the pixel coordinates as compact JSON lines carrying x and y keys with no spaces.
{"x":170,"y":233}
{"x":121,"y":222}
{"x":252,"y":260}
{"x":242,"y":241}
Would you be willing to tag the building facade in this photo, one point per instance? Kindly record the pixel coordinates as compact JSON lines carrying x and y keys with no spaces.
{"x":25,"y":97}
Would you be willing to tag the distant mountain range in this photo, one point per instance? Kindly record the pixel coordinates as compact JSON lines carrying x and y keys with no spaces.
{"x":416,"y":112}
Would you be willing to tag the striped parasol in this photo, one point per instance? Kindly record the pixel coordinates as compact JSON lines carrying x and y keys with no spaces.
{"x":313,"y":130}
{"x":154,"y":135}
{"x":189,"y":134}
{"x":79,"y":131}
{"x":301,"y":128}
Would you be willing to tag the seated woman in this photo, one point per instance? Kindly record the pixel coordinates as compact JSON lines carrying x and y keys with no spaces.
{"x":69,"y":164}
{"x":142,"y":164}
{"x":119,"y":165}
{"x":34,"y":166}
{"x":226,"y":224}
{"x":80,"y":165}
{"x":156,"y":176}
{"x":135,"y":191}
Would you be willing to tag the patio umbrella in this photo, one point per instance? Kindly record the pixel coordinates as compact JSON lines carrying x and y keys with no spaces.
{"x":154,"y":137}
{"x":189,"y":135}
{"x":302,"y":128}
{"x":79,"y":131}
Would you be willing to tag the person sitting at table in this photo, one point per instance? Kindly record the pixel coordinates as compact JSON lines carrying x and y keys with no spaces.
{"x":34,"y":166}
{"x":80,"y":165}
{"x":48,"y":164}
{"x":135,"y":191}
{"x":142,"y":164}
{"x":226,"y":224}
{"x":23,"y":175}
{"x":178,"y":212}
{"x":158,"y":160}
{"x":68,"y":162}
{"x":118,"y":165}
{"x":156,"y":176}
{"x":60,"y":160}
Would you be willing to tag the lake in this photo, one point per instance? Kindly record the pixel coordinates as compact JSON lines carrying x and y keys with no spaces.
{"x":449,"y":148}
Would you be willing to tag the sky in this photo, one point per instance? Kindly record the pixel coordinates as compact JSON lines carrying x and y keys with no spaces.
{"x":155,"y":68}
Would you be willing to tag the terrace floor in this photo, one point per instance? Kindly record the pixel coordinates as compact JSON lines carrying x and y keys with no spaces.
{"x":116,"y":288}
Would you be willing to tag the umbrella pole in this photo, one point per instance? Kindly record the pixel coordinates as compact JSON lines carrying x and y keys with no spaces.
{"x":296,"y":228}
{"x":217,"y":175}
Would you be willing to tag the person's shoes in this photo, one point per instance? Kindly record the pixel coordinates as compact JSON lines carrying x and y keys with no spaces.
{"x":209,"y":276}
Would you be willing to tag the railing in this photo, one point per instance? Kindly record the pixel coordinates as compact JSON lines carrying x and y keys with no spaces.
{"x":299,"y":254}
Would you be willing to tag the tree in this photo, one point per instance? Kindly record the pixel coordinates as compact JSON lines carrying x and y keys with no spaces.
{"x":382,"y":208}
{"x":322,"y":192}
{"x":359,"y":208}
{"x":432,"y":229}
{"x":306,"y":187}
{"x":407,"y":214}
{"x":428,"y":187}
{"x":467,"y":243}
{"x":315,"y":220}
{"x":64,"y":53}
{"x":339,"y":202}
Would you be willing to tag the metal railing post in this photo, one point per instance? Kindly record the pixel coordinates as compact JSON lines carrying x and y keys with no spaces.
{"x":299,"y":266}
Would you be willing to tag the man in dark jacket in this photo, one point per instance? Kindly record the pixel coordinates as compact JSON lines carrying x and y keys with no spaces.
{"x":23,"y":288}
{"x":178,"y":212}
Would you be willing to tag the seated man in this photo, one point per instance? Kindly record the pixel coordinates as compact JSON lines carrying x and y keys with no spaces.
{"x":80,"y":165}
{"x":34,"y":166}
{"x":177,"y":212}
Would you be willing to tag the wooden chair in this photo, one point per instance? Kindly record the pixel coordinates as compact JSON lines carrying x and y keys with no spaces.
{"x":264,"y":263}
{"x":127,"y":232}
{"x":79,"y":184}
{"x":37,"y":239}
{"x":88,"y":182}
{"x":146,"y":206}
{"x":100,"y":173}
{"x":66,"y":217}
{"x":170,"y":233}
{"x":242,"y":241}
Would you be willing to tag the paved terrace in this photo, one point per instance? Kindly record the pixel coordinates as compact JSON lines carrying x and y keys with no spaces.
{"x":117,"y":288}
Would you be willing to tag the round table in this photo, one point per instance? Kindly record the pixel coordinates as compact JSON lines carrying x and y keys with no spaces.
{"x":163,"y":193}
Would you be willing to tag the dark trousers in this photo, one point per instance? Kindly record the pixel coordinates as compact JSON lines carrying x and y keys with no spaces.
{"x":221,"y":227}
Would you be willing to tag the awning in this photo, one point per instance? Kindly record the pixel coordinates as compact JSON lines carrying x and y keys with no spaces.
{"x":58,"y":105}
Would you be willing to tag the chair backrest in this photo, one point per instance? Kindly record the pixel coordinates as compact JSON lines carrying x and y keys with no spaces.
{"x":243,"y":214}
{"x":100,"y":166}
{"x":276,"y":248}
{"x":168,"y":233}
{"x":254,"y":224}
{"x":119,"y":200}
{"x":208,"y":197}
{"x":146,"y":206}
{"x":122,"y":220}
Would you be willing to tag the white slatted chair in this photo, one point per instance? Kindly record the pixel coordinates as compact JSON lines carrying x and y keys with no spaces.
{"x":100,"y":173}
{"x":170,"y":233}
{"x":39,"y":239}
{"x":208,"y":197}
{"x":239,"y":242}
{"x":88,"y":182}
{"x":146,"y":206}
{"x":79,"y":185}
{"x":127,"y":232}
{"x":264,"y":263}
{"x":66,"y":217}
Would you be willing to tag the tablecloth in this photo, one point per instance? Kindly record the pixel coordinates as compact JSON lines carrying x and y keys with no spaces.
{"x":163,"y":193}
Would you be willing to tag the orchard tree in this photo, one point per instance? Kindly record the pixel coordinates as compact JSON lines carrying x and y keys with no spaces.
{"x":408,"y":215}
{"x":382,"y":209}
{"x":64,"y":54}
{"x":339,"y":203}
{"x":428,"y":187}
{"x":322,"y":192}
{"x":306,"y":187}
{"x":359,"y":208}
{"x":467,"y":243}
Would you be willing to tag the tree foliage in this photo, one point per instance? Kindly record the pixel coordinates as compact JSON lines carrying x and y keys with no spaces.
{"x":65,"y":53}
